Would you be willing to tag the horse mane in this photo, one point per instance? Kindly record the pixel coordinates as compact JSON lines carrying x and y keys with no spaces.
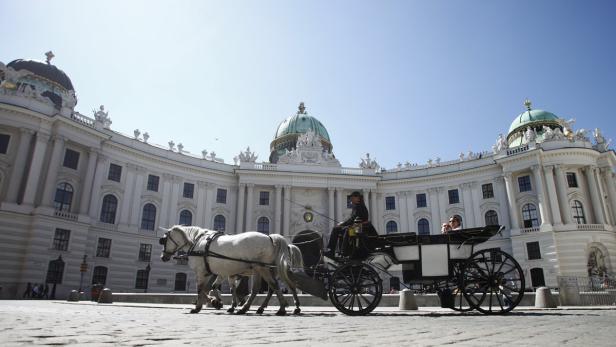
{"x":191,"y":231}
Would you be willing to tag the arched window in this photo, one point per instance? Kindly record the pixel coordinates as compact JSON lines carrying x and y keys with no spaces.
{"x":423,"y":227}
{"x":263,"y":225}
{"x":529,"y":216}
{"x":148,"y":217}
{"x":185,"y":217}
{"x":180,"y":282}
{"x":108,"y":211}
{"x":99,"y":275}
{"x":491,"y":218}
{"x":391,"y":227}
{"x":578,"y":212}
{"x":536,"y":277}
{"x":64,"y":197}
{"x":219,"y":223}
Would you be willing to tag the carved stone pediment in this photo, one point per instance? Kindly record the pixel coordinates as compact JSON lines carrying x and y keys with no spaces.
{"x":309,"y":151}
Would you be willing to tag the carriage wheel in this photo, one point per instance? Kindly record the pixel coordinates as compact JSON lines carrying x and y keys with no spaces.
{"x":355,"y":289}
{"x":492,"y":281}
{"x":453,"y":286}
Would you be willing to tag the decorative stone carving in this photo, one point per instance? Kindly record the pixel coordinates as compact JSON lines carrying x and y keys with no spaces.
{"x":499,"y":146}
{"x":11,"y":77}
{"x":136,"y":132}
{"x":146,"y":136}
{"x":101,"y":116}
{"x":368,"y":163}
{"x":580,"y":135}
{"x":308,"y":151}
{"x":180,"y":148}
{"x":601,"y":144}
{"x":171,"y":145}
{"x":567,"y":127}
{"x":530,"y":135}
{"x":247,"y":156}
{"x":204,"y":154}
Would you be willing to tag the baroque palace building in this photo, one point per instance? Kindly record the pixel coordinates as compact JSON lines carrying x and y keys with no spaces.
{"x":81,"y":203}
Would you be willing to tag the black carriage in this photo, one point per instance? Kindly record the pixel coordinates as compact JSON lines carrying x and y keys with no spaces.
{"x":489,"y":280}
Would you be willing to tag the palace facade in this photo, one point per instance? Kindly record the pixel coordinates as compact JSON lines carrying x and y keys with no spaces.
{"x":81,"y":203}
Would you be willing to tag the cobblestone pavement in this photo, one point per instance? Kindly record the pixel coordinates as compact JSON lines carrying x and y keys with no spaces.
{"x":26,"y":323}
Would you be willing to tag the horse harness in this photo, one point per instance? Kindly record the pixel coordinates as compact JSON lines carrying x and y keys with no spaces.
{"x":209,"y":238}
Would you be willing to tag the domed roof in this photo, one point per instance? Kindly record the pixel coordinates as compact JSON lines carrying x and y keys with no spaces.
{"x":300,"y":123}
{"x":531,"y":117}
{"x":42,"y":69}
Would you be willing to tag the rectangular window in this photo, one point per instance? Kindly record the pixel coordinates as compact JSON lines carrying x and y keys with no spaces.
{"x":488,"y":190}
{"x":145,"y":252}
{"x":189,"y":190}
{"x":4,"y":143}
{"x":524,"y":184}
{"x":421,"y":200}
{"x":141,"y":282}
{"x":153,"y":183}
{"x":221,"y":196}
{"x":533,"y":250}
{"x":103,"y":249}
{"x":390,"y":203}
{"x":263,"y":198}
{"x":454,"y":197}
{"x":572,"y":180}
{"x":71,"y":159}
{"x":115,"y":172}
{"x":60,"y":239}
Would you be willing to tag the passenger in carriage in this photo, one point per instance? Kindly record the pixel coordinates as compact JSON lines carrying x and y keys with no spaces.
{"x":454,"y":224}
{"x":359,"y":215}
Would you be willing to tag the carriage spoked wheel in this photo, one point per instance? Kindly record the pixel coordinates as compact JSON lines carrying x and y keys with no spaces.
{"x":451,"y":291}
{"x":355,"y":289}
{"x":492,"y":281}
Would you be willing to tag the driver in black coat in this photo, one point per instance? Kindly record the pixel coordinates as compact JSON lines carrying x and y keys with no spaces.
{"x":359,"y":215}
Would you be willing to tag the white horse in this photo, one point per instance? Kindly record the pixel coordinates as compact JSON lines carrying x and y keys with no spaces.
{"x":230,"y":255}
{"x":297,"y":262}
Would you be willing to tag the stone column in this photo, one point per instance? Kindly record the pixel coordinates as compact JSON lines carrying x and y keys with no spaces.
{"x":561,"y":190}
{"x":250,"y":223}
{"x":603,"y":194}
{"x":135,"y":213}
{"x":201,"y":196}
{"x":477,"y":196}
{"x":210,"y":195}
{"x":19,"y":166}
{"x":513,"y":207}
{"x":340,"y":204}
{"x":173,"y":217}
{"x":589,"y":171}
{"x":331,"y":213}
{"x":434,"y":209}
{"x":611,"y":189}
{"x":374,"y":211}
{"x":404,"y":221}
{"x":102,"y":164}
{"x":278,"y":210}
{"x":286,"y":218}
{"x":36,"y":165}
{"x":366,"y":193}
{"x":551,"y":189}
{"x":163,"y":220}
{"x":239,"y":221}
{"x":126,"y":203}
{"x":467,"y":200}
{"x":543,"y":207}
{"x":442,"y":202}
{"x":86,"y":189}
{"x":501,"y":195}
{"x":52,"y":173}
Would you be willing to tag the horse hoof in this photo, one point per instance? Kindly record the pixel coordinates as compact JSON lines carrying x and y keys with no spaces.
{"x":217,"y":304}
{"x":194,"y":310}
{"x":231,"y":310}
{"x":281,"y":313}
{"x":241,"y":312}
{"x":260,"y":311}
{"x":297,"y":311}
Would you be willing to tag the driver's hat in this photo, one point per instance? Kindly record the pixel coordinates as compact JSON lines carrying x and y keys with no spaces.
{"x":356,"y":193}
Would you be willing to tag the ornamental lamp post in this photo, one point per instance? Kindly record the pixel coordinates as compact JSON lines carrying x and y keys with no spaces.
{"x":147,"y":277}
{"x":83,"y":268}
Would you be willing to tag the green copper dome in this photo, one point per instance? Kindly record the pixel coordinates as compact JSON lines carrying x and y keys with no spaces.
{"x":300,"y":123}
{"x":291,"y":128}
{"x":534,"y":119}
{"x":528,"y":118}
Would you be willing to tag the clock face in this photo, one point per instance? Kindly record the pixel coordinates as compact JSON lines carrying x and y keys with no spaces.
{"x":308,"y":217}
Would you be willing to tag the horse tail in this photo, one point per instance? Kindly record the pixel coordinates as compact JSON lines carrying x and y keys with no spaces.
{"x":297,"y":261}
{"x":283,"y":259}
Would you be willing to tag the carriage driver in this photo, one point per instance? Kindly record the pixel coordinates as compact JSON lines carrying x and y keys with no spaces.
{"x":359,"y":214}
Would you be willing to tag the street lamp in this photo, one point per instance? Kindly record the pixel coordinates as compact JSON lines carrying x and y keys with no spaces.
{"x":147,"y":277}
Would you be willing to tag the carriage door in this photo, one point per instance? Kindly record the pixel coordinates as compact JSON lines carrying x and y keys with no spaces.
{"x":310,"y":243}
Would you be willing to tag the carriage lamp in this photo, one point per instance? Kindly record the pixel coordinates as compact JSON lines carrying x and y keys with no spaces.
{"x":308,"y":217}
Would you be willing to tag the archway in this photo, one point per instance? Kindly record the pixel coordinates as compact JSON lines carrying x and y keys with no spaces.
{"x":310,"y":242}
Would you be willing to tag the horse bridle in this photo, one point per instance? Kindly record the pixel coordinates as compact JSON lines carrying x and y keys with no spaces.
{"x":163,"y":242}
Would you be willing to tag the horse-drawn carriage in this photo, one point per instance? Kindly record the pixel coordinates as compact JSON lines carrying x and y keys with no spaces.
{"x":488,"y":280}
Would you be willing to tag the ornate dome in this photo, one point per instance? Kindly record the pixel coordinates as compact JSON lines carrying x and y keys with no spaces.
{"x":291,"y":128}
{"x":44,"y":70}
{"x":534,"y":119}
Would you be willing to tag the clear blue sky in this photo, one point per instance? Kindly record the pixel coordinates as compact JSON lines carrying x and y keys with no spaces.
{"x":403,"y":80}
